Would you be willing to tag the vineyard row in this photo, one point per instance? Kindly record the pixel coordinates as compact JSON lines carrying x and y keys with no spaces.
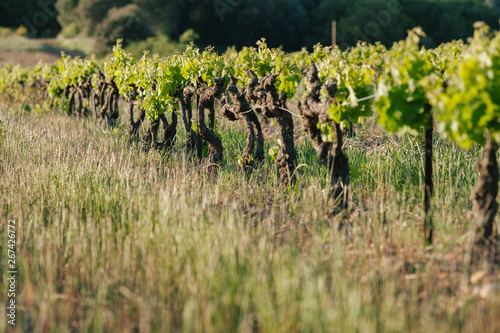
{"x":454,"y":88}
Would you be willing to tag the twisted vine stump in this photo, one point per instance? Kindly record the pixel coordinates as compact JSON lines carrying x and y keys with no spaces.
{"x":102,"y":86}
{"x":70,"y":92}
{"x":80,"y":102}
{"x":110,"y":103}
{"x":485,"y":205}
{"x":210,"y":98}
{"x":266,"y":99}
{"x":252,"y":97}
{"x":134,"y":126}
{"x":150,"y":139}
{"x":330,"y":154}
{"x":113,"y":101}
{"x":104,"y":99}
{"x":206,"y":100}
{"x":86,"y":92}
{"x":82,"y":92}
{"x":92,"y":101}
{"x":238,"y":108}
{"x":253,"y":93}
{"x":185,"y":97}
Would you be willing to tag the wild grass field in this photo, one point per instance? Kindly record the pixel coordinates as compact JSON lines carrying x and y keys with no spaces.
{"x":113,"y":239}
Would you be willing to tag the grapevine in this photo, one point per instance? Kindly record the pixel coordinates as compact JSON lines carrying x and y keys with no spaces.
{"x":408,"y":87}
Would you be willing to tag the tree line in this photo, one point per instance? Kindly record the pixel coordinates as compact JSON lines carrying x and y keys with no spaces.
{"x":291,"y":24}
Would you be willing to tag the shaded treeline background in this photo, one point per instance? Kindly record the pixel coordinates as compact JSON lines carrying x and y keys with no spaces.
{"x":292,"y":24}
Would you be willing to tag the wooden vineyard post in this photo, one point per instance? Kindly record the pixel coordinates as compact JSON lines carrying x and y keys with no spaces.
{"x":428,"y":227}
{"x":334,"y":33}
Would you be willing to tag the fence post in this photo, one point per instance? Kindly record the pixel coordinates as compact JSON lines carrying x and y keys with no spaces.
{"x":334,"y":33}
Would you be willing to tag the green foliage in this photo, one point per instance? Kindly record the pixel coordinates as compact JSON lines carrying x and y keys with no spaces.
{"x":354,"y":82}
{"x":407,"y":80}
{"x":189,"y":36}
{"x":354,"y":79}
{"x":121,"y":66}
{"x":257,"y":60}
{"x":168,"y":79}
{"x":66,"y":11}
{"x":69,"y":72}
{"x":210,"y":66}
{"x":5,"y":31}
{"x":445,"y":56}
{"x":11,"y":76}
{"x":402,"y":101}
{"x":22,"y":31}
{"x":469,"y":107}
{"x":70,"y":30}
{"x":263,"y":61}
{"x":273,"y":152}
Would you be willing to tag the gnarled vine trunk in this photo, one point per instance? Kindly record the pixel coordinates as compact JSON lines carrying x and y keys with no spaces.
{"x":102,"y":86}
{"x":273,"y":105}
{"x":134,"y":126}
{"x":150,"y":139}
{"x":251,"y":97}
{"x":113,"y":102}
{"x":185,"y":100}
{"x":484,"y":198}
{"x":80,"y":105}
{"x":206,"y":100}
{"x":72,"y":96}
{"x":241,"y":109}
{"x":110,"y":103}
{"x":86,"y":93}
{"x":329,"y":153}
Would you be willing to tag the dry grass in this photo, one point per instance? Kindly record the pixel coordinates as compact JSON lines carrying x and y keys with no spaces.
{"x":116,"y":240}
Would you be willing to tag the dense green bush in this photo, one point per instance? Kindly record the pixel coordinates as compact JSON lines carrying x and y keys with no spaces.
{"x":163,"y":15}
{"x":66,"y":12}
{"x":93,"y":12}
{"x":5,"y":31}
{"x":387,"y":21}
{"x":124,"y":22}
{"x":70,"y":30}
{"x":38,"y":16}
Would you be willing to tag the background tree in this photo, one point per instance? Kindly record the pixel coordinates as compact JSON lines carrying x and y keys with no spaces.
{"x":66,"y":11}
{"x":39,"y":16}
{"x":291,"y":24}
{"x":162,"y":15}
{"x":91,"y":13}
{"x":125,"y":23}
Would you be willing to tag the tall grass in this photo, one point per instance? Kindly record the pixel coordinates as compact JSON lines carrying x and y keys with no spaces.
{"x":112,"y":239}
